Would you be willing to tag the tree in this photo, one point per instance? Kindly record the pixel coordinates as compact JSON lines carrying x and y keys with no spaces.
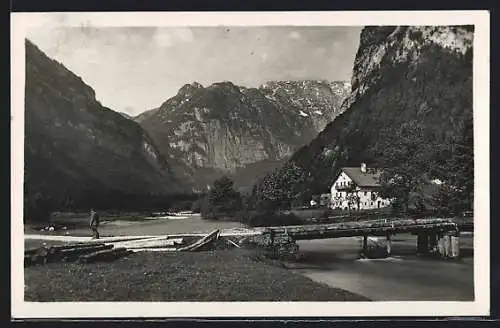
{"x":222,"y":191}
{"x":221,"y":199}
{"x":456,"y":171}
{"x":278,"y":189}
{"x":405,"y":158}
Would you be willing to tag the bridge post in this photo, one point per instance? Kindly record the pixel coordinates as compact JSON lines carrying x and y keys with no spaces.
{"x":440,"y":244}
{"x":455,"y":244}
{"x":433,"y":240}
{"x":388,"y":245}
{"x":364,"y":246}
{"x":422,"y":243}
{"x":447,"y":245}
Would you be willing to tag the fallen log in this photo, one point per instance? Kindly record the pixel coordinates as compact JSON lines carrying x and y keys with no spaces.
{"x":201,"y":242}
{"x":233,"y":243}
{"x":44,"y":254}
{"x":30,"y":251}
{"x":162,"y":241}
{"x":161,"y":249}
{"x":72,"y":254}
{"x":104,"y":255}
{"x":53,"y":249}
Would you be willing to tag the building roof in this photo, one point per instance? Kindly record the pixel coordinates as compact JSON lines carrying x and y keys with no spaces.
{"x":368,"y":179}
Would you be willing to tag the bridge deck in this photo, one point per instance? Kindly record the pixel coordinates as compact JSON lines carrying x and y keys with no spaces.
{"x":372,"y":228}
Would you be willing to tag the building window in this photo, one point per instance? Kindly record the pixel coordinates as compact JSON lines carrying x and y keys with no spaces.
{"x":365,"y":193}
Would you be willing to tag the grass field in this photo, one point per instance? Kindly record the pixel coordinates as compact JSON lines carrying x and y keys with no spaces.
{"x":178,"y":276}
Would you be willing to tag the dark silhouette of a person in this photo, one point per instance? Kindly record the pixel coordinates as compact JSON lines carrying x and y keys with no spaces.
{"x":94,"y":223}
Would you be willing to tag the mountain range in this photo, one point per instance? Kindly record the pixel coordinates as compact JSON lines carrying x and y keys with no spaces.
{"x":226,"y":129}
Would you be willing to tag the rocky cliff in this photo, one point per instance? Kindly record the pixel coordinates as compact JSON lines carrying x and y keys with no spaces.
{"x":78,"y":153}
{"x":401,"y":74}
{"x":244,"y":132}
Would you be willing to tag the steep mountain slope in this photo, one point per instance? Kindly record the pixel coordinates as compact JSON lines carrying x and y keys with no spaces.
{"x":79,"y":153}
{"x":401,"y":74}
{"x":225,"y":128}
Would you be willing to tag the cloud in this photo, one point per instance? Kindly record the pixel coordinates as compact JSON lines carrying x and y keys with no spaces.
{"x":167,"y":37}
{"x":264,"y":56}
{"x":295,"y":35}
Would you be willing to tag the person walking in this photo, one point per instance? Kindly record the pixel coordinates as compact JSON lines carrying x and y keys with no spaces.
{"x":94,"y":223}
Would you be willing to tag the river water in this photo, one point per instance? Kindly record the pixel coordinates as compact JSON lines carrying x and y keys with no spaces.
{"x":402,"y":277}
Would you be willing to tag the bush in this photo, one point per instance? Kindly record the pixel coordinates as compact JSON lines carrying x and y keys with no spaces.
{"x":182,"y":205}
{"x":197,"y":205}
{"x":266,"y":219}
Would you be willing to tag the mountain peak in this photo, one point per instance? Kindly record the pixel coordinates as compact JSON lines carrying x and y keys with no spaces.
{"x":190,"y":87}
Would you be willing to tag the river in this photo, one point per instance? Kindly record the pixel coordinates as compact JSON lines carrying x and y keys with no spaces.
{"x":402,"y":277}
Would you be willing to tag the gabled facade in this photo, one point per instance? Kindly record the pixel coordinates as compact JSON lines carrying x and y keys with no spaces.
{"x":357,"y":188}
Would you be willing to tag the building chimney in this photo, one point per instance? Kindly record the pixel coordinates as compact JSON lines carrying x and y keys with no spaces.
{"x":363,"y":167}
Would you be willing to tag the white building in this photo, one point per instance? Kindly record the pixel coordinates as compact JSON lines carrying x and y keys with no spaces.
{"x":357,"y":188}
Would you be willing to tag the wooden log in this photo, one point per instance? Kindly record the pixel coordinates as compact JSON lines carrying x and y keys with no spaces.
{"x":201,"y":242}
{"x":233,"y":243}
{"x":77,"y":245}
{"x":38,"y":259}
{"x":30,"y":251}
{"x":72,"y":254}
{"x":104,"y":255}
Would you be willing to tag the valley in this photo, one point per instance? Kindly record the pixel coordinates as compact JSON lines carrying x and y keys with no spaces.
{"x":353,"y":160}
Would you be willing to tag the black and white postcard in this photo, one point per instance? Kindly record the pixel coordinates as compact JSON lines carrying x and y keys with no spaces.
{"x":271,"y":164}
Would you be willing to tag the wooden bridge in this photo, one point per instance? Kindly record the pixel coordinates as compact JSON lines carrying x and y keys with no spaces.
{"x":435,"y":235}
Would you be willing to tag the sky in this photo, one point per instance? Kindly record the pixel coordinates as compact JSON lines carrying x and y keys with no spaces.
{"x":133,"y":69}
